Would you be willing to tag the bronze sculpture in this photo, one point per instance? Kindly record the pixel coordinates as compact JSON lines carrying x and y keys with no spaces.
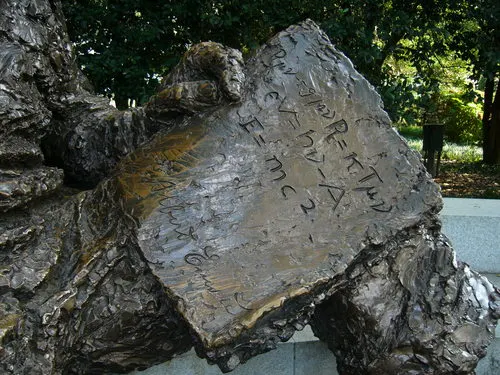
{"x":290,"y":201}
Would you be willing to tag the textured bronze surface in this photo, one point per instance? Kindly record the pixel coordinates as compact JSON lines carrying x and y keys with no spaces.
{"x":261,"y":202}
{"x":290,"y":200}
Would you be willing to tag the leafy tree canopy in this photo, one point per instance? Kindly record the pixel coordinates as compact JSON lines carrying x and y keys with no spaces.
{"x":402,"y":47}
{"x":124,"y":45}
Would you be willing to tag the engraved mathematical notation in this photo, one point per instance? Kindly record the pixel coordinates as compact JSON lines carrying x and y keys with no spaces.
{"x":205,"y":258}
{"x":176,"y":219}
{"x":200,"y":260}
{"x":333,"y":133}
{"x":232,"y":302}
{"x":175,"y":216}
{"x":319,"y":48}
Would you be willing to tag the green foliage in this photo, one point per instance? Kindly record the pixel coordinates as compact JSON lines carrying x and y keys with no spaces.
{"x":402,"y":47}
{"x":121,"y":44}
{"x":476,"y":33}
{"x":461,"y":120}
{"x":411,"y":132}
{"x":125,"y":45}
{"x":462,"y":123}
{"x":451,"y":151}
{"x":461,"y":153}
{"x":477,"y":40}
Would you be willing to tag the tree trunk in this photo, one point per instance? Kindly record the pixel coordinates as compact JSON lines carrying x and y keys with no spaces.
{"x":491,"y":122}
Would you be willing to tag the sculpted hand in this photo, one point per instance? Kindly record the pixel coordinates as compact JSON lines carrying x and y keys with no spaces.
{"x":93,"y":136}
{"x":208,"y":74}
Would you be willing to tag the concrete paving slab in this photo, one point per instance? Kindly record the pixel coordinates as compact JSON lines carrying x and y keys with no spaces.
{"x":473,"y":227}
{"x":314,"y":358}
{"x":490,"y":365}
{"x":187,"y":363}
{"x":303,"y":358}
{"x":305,"y":335}
{"x":471,"y":207}
{"x":275,"y":362}
{"x":475,"y":240}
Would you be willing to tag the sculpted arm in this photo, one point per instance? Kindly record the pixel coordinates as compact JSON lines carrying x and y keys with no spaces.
{"x":88,"y":136}
{"x":50,"y":116}
{"x":60,"y":265}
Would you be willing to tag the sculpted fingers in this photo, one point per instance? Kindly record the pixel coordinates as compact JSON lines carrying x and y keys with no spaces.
{"x":187,"y":97}
{"x":219,"y":62}
{"x":207,"y":74}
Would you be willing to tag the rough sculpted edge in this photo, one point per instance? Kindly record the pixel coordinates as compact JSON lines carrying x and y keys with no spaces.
{"x":79,"y":295}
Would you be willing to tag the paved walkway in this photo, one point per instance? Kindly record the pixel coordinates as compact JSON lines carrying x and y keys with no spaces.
{"x":473,"y":226}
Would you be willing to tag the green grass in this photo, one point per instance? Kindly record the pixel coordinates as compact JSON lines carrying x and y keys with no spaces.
{"x":451,"y":151}
{"x":464,"y":173}
{"x":410,"y":132}
{"x":462,"y":153}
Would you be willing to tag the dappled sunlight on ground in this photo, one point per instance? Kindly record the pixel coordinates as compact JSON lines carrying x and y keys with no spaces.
{"x":469,"y":180}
